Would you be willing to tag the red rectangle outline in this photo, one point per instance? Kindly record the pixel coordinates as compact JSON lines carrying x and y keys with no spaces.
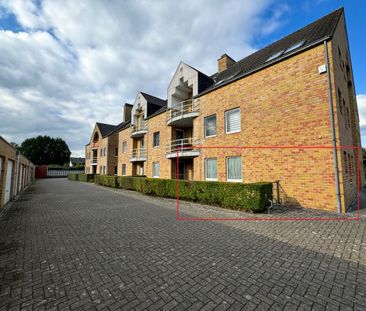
{"x":177,"y":215}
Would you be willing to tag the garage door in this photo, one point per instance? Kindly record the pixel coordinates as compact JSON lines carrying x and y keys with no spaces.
{"x":9,"y":178}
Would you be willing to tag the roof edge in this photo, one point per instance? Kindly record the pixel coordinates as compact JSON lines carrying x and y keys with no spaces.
{"x":275,"y":61}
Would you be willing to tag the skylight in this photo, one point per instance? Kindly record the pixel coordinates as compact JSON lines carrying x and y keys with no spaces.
{"x":275,"y":55}
{"x":295,"y":46}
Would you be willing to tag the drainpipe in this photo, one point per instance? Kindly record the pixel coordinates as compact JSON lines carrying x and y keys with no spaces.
{"x":334,"y":143}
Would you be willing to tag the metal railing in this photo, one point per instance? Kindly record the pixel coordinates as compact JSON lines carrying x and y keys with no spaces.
{"x":139,"y":128}
{"x":138,"y":153}
{"x":182,"y":108}
{"x":182,"y":145}
{"x":94,"y":160}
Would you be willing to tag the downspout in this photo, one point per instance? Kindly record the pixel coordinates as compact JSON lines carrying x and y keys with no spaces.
{"x":334,"y":142}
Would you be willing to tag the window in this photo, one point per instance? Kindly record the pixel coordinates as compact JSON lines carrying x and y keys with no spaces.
{"x":124,"y":147}
{"x":233,"y":169}
{"x":340,"y":101}
{"x":123,"y":169}
{"x":345,"y":163}
{"x":100,"y":170}
{"x":211,"y":169}
{"x":210,"y":126}
{"x":116,"y":152}
{"x":101,"y":152}
{"x":156,"y":167}
{"x":275,"y":55}
{"x":104,"y":170}
{"x":232,"y":121}
{"x":156,"y":140}
{"x":105,"y":151}
{"x":350,"y":168}
{"x":115,"y":170}
{"x":295,"y":46}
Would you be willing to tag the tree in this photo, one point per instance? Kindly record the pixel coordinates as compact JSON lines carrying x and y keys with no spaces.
{"x":45,"y":150}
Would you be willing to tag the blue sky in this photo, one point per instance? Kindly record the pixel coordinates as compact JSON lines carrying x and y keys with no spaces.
{"x":66,"y":64}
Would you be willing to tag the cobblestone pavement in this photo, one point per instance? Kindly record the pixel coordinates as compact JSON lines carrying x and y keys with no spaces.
{"x":74,"y":246}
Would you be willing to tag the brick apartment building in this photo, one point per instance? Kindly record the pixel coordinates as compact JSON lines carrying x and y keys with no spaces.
{"x":298,"y":91}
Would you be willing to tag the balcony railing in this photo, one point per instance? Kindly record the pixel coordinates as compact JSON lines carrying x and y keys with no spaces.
{"x":94,"y":161}
{"x":139,"y":154}
{"x":183,"y":112}
{"x":186,"y":147}
{"x":138,"y":130}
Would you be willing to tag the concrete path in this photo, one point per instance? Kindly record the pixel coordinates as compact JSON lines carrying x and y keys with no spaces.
{"x":74,"y":246}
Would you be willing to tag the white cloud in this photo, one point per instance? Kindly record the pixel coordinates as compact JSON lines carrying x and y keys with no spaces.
{"x":361,"y":103}
{"x":77,"y":62}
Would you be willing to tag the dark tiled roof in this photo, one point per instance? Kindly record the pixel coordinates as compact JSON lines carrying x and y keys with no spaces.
{"x":154,"y":104}
{"x":120,"y":127}
{"x":154,"y":100}
{"x":105,"y":129}
{"x":77,"y":160}
{"x":309,"y":35}
{"x":161,"y":110}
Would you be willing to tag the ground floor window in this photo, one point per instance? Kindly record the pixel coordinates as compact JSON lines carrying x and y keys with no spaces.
{"x":123,"y":169}
{"x":211,"y":169}
{"x":233,"y":169}
{"x":115,"y":170}
{"x":156,"y":168}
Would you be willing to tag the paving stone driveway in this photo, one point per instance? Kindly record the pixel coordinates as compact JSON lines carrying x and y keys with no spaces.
{"x":71,"y":245}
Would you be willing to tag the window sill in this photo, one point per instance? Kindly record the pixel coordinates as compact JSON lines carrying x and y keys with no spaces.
{"x":234,"y":180}
{"x":211,"y":136}
{"x":211,"y":179}
{"x":233,"y":132}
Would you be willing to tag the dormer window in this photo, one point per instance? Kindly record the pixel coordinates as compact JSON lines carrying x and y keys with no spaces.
{"x":275,"y":55}
{"x":295,"y":46}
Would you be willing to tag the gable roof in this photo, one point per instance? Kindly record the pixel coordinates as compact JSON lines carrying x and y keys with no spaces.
{"x":305,"y":37}
{"x":105,"y":128}
{"x":154,"y":100}
{"x":120,"y":127}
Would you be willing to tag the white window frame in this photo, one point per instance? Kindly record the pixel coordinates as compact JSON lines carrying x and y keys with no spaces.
{"x":116,"y":152}
{"x":227,"y":169}
{"x":124,"y":173}
{"x":210,"y":179}
{"x":156,"y":163}
{"x":124,"y":146}
{"x":207,"y":136}
{"x":226,"y":123}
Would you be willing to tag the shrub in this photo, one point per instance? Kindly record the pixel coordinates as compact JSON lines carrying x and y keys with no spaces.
{"x":86,"y":177}
{"x":250,"y":197}
{"x":81,"y":177}
{"x":106,"y":180}
{"x":73,"y":176}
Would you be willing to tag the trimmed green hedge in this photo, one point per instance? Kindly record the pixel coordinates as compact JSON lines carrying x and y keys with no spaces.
{"x":250,"y":197}
{"x":81,"y":177}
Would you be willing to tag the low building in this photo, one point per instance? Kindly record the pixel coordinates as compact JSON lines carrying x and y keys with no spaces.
{"x":76,"y":161}
{"x":16,"y":172}
{"x":296,"y":92}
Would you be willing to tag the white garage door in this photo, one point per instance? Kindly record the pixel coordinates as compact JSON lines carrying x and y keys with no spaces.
{"x":9,"y":177}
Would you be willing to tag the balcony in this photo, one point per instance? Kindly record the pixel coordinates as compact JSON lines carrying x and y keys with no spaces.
{"x":95,"y":145}
{"x":138,"y":155}
{"x":139,"y":130}
{"x":94,"y":161}
{"x":183,"y":148}
{"x":182,"y":114}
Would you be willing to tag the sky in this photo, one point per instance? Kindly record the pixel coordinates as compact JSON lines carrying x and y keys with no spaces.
{"x":66,"y":64}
